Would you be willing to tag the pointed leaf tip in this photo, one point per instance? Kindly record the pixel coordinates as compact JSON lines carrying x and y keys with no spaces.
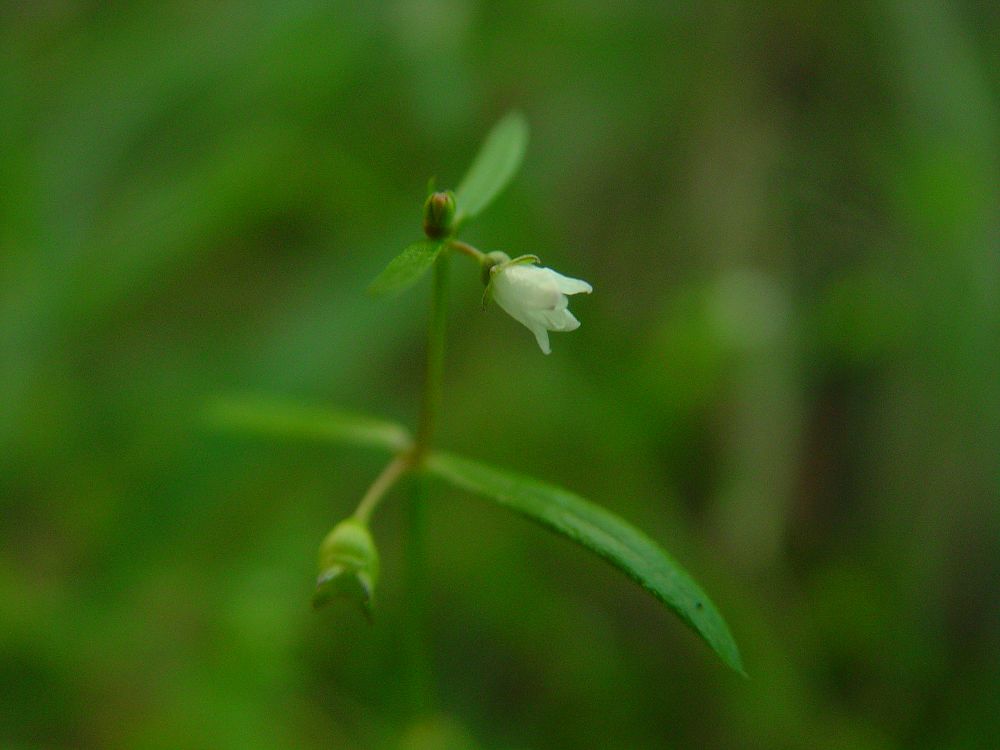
{"x":495,"y":165}
{"x":406,"y":268}
{"x":602,"y":532}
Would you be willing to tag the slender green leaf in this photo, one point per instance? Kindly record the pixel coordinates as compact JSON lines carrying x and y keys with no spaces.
{"x":609,"y":536}
{"x":264,"y":416}
{"x":406,"y":268}
{"x":494,"y":165}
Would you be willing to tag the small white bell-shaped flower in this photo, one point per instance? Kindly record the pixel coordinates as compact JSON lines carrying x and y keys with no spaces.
{"x":535,"y":296}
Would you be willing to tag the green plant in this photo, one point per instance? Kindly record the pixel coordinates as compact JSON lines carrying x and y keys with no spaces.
{"x":536,"y":297}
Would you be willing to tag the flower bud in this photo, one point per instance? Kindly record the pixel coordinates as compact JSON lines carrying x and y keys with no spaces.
{"x":348,"y":565}
{"x":439,"y":214}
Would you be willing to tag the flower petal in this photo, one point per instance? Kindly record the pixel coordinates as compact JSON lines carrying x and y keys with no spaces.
{"x":510,"y":304}
{"x":567,"y":284}
{"x":560,"y":320}
{"x":527,"y":287}
{"x":542,"y":337}
{"x":536,"y":297}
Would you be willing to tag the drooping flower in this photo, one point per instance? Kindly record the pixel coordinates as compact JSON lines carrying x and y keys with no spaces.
{"x":535,"y":296}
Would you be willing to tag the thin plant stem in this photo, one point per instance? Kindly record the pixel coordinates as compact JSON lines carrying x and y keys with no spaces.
{"x":382,"y":484}
{"x":467,"y":249}
{"x":419,"y":670}
{"x":420,"y":676}
{"x":430,"y":404}
{"x":433,"y":383}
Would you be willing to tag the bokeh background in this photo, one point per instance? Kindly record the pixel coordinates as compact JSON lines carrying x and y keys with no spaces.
{"x":789,"y":372}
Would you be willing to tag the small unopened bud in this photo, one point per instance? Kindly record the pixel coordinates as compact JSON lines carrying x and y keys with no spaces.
{"x":348,"y":565}
{"x":439,"y":214}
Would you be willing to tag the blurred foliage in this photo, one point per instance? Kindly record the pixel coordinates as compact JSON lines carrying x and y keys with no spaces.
{"x":789,"y":372}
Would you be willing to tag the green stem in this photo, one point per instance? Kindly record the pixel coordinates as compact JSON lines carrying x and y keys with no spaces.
{"x":382,"y":484}
{"x":419,"y":675}
{"x":430,"y":404}
{"x":433,"y":384}
{"x":467,"y":249}
{"x":418,"y":660}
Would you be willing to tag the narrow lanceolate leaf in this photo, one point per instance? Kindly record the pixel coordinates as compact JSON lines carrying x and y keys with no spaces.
{"x":406,"y":268}
{"x":602,"y":532}
{"x":494,"y":166}
{"x":263,"y":416}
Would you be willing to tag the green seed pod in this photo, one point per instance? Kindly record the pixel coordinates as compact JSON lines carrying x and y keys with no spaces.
{"x":348,"y":565}
{"x":439,"y":214}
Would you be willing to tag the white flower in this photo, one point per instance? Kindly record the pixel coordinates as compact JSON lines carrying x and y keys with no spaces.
{"x":536,"y":298}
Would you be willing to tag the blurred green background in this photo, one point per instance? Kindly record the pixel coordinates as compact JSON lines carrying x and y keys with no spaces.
{"x":789,"y":372}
